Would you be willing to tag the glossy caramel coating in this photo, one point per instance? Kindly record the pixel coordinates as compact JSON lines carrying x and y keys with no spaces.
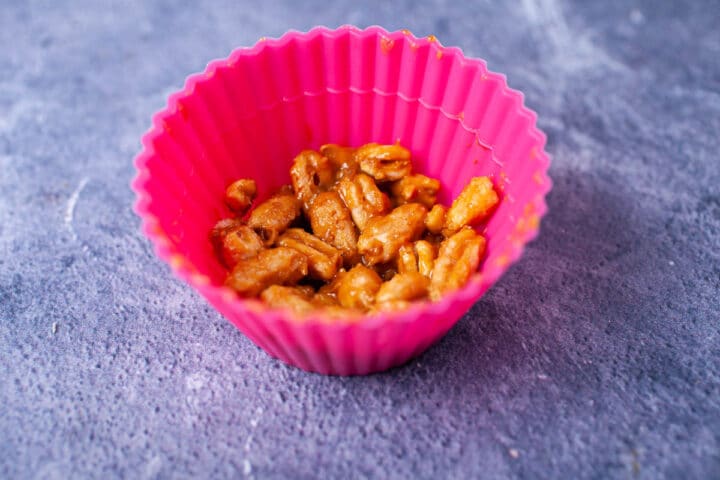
{"x":357,"y":287}
{"x":416,"y":257}
{"x":342,"y":160}
{"x":383,"y":236}
{"x":403,"y":286}
{"x":240,"y":194}
{"x":311,"y":173}
{"x":435,"y":220}
{"x":333,"y":241}
{"x":458,"y":258}
{"x":415,"y":189}
{"x":385,"y":163}
{"x":234,"y":241}
{"x":274,"y":215}
{"x":293,"y":298}
{"x":323,"y":259}
{"x":363,"y":197}
{"x":274,"y":266}
{"x":473,"y":204}
{"x":330,"y":221}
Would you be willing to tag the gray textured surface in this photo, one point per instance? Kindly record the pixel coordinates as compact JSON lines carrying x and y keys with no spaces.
{"x":597,"y":356}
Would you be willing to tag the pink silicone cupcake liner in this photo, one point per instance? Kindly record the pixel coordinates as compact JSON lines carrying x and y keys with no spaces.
{"x":250,"y":114}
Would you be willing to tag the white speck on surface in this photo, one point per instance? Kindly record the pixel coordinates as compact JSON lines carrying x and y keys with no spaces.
{"x":514,"y":453}
{"x":194,"y":381}
{"x":671,"y":263}
{"x":542,"y":376}
{"x":153,"y":467}
{"x":53,"y":329}
{"x":70,"y":208}
{"x":574,"y":49}
{"x":247,"y":466}
{"x":636,"y":16}
{"x":21,"y":109}
{"x":253,"y":425}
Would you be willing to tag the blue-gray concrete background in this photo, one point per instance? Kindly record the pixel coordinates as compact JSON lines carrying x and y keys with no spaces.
{"x":596,"y":356}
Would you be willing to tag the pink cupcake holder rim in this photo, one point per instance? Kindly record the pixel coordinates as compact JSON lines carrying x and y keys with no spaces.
{"x":227,"y":301}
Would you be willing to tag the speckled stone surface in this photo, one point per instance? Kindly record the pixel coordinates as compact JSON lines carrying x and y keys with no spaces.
{"x":596,"y":356}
